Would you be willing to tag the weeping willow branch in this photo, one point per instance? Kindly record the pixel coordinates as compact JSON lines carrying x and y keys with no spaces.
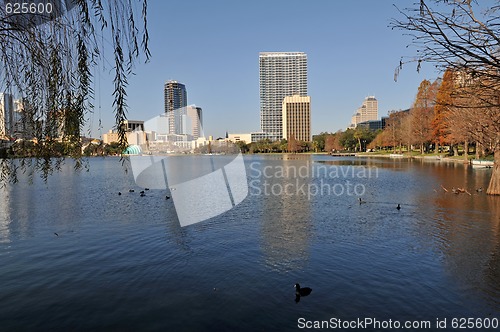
{"x":49,"y":64}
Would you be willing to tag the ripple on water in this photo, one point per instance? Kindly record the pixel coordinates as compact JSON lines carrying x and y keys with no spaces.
{"x":124,"y":262}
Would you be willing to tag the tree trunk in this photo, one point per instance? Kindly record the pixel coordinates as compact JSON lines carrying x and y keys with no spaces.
{"x":455,"y":150}
{"x":477,"y":150}
{"x":466,"y":152}
{"x":494,"y":186}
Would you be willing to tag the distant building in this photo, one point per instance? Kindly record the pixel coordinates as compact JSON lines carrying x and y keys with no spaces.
{"x":247,"y":138}
{"x":6,"y":115}
{"x":137,"y":137}
{"x":282,"y":74}
{"x":133,"y":125}
{"x":367,"y":112}
{"x":134,"y":132}
{"x":23,"y":125}
{"x":194,"y":121}
{"x":373,"y":125}
{"x":296,"y":112}
{"x":175,"y":105}
{"x":252,"y":137}
{"x":158,"y":124}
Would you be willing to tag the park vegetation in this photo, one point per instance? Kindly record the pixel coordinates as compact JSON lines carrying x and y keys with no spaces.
{"x":461,"y":38}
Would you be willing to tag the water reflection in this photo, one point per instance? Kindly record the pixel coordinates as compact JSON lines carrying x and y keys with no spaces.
{"x":493,"y":265}
{"x":4,"y":214}
{"x":286,"y":221}
{"x":464,"y":227}
{"x":439,"y":255}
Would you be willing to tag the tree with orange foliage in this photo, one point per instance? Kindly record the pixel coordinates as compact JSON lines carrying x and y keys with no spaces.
{"x":441,"y":133}
{"x":464,"y":36}
{"x":422,"y":113}
{"x":332,"y":142}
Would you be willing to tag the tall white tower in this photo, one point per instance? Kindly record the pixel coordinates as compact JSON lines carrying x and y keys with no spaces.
{"x":282,"y":74}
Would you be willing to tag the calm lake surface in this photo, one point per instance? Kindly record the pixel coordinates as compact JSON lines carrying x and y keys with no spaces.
{"x":124,"y":262}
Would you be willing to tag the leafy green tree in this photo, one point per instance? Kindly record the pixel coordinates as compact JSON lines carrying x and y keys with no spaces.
{"x":320,"y":140}
{"x":294,"y":145}
{"x":242,"y":146}
{"x":347,"y":140}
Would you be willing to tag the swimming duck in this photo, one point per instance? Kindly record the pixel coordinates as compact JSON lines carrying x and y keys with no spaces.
{"x":302,"y":291}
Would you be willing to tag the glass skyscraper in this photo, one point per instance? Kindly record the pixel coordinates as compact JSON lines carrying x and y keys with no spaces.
{"x":282,"y":74}
{"x":175,"y":105}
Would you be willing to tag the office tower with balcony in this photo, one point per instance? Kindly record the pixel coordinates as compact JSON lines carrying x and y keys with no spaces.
{"x":175,"y":105}
{"x":282,"y":74}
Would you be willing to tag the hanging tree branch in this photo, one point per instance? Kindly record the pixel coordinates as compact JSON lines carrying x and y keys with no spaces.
{"x":47,"y":59}
{"x":462,"y":36}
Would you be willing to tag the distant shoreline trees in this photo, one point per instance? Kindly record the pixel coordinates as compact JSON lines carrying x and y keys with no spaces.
{"x":462,"y":37}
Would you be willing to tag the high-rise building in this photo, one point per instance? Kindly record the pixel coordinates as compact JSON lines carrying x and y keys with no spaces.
{"x":175,"y":105}
{"x":6,"y":114}
{"x":296,"y":112}
{"x":282,"y":74}
{"x":367,"y":112}
{"x":194,"y":121}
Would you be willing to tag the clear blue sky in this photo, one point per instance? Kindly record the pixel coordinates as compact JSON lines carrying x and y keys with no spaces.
{"x":213,"y":48}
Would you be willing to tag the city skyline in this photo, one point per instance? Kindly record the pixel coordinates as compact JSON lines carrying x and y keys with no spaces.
{"x":216,"y":57}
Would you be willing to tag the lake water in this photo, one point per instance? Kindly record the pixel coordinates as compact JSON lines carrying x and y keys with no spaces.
{"x":124,"y":263}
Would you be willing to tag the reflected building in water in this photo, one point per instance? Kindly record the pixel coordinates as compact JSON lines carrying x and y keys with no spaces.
{"x":286,"y":220}
{"x":4,"y":215}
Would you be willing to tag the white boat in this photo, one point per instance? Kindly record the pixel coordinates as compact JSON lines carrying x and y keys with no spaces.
{"x":396,"y":155}
{"x":482,"y":163}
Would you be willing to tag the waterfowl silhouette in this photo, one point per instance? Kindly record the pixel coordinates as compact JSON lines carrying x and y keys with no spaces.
{"x":131,"y":190}
{"x":56,"y":234}
{"x":146,"y":188}
{"x":142,"y":192}
{"x":361,"y":201}
{"x":398,"y":207}
{"x":167,"y":197}
{"x":302,"y":291}
{"x":119,"y":193}
{"x":480,"y":189}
